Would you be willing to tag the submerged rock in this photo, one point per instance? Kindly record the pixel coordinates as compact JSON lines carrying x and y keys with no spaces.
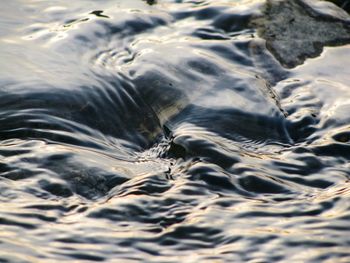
{"x":294,"y":31}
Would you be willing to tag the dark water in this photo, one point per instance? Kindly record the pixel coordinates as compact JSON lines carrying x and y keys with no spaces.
{"x":174,"y":131}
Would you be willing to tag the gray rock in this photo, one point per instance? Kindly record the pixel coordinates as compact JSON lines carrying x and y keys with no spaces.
{"x":295,"y":30}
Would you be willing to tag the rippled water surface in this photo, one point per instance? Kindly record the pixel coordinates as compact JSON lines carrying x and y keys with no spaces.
{"x":174,"y":131}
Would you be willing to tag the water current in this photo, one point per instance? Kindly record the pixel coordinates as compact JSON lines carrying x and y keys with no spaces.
{"x":174,"y":131}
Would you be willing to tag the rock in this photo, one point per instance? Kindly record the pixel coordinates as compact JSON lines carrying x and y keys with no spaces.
{"x":295,"y":31}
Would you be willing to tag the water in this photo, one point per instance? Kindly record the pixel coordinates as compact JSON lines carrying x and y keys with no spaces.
{"x":174,"y":131}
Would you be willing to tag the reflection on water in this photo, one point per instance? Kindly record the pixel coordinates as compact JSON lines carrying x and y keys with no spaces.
{"x":174,"y":131}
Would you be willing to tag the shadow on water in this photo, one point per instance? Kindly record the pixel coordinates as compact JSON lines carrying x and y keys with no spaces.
{"x":344,"y":4}
{"x":151,"y":2}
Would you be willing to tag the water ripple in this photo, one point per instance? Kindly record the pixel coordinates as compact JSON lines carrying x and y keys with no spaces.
{"x":174,"y":131}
